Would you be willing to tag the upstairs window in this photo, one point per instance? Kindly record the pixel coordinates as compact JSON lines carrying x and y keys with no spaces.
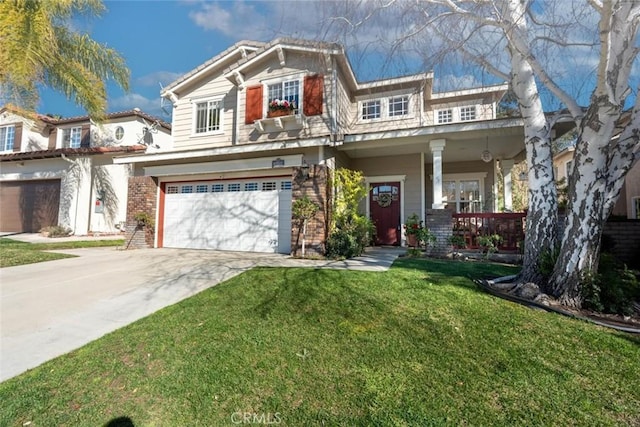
{"x":371,"y":110}
{"x":72,"y":137}
{"x":7,"y":137}
{"x":208,"y":116}
{"x":398,"y":106}
{"x":467,"y":113}
{"x":288,"y":90}
{"x":445,"y":116}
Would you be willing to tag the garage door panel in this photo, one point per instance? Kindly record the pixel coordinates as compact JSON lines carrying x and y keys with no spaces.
{"x":238,"y":221}
{"x":28,"y":206}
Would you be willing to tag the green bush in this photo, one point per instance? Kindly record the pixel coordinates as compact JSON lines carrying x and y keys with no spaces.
{"x":547,"y":261}
{"x":351,"y":236}
{"x":613,"y":289}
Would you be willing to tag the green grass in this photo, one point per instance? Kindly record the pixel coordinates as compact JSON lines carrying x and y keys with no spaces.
{"x":417,"y":345}
{"x":14,"y":252}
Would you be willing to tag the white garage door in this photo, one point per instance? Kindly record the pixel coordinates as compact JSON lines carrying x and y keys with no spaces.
{"x":243,"y":215}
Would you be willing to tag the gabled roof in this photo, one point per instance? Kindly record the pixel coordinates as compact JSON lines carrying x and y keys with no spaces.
{"x":55,"y":121}
{"x":72,"y":152}
{"x":244,"y":48}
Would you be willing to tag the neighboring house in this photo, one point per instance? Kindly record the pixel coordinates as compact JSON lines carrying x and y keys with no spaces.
{"x":56,"y":171}
{"x":628,"y":203}
{"x":235,"y":168}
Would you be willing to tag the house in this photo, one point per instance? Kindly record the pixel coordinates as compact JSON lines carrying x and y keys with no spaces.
{"x":236,"y":165}
{"x":59,"y":171}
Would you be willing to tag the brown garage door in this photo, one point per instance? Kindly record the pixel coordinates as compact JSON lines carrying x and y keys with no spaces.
{"x":27,"y":206}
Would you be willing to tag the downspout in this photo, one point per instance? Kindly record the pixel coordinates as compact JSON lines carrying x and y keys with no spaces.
{"x":237,"y":117}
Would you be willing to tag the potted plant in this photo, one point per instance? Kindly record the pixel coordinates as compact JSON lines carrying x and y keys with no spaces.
{"x":413,"y":230}
{"x":281,"y":107}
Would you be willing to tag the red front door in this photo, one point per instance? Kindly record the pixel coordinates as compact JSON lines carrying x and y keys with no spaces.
{"x":384,"y":205}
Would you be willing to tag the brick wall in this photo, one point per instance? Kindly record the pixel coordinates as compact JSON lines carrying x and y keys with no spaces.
{"x":317,"y":188}
{"x":622,"y":238}
{"x":141,"y":198}
{"x":439,"y":221}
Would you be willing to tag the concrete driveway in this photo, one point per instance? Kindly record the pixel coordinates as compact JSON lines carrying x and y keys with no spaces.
{"x":48,"y":309}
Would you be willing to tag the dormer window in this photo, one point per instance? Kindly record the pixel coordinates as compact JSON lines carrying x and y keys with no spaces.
{"x":72,"y":137}
{"x":392,"y":107}
{"x":207,"y":116}
{"x":371,"y":109}
{"x":445,"y":116}
{"x":7,"y":137}
{"x":467,"y":113}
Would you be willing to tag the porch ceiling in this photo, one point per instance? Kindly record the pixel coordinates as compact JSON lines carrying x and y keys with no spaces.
{"x":461,"y":146}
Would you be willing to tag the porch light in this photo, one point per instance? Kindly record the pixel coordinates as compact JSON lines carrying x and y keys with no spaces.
{"x":486,"y":154}
{"x":304,"y":169}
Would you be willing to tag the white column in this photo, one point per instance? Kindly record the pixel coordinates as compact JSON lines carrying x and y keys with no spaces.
{"x":423,"y":190}
{"x":437,"y":145}
{"x":506,"y":166}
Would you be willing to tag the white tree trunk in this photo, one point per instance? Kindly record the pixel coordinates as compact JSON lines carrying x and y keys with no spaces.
{"x":600,"y":162}
{"x":542,"y":215}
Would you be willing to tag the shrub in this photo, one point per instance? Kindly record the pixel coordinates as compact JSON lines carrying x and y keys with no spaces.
{"x":547,"y":261}
{"x":458,"y":241}
{"x":613,"y":289}
{"x":56,"y":231}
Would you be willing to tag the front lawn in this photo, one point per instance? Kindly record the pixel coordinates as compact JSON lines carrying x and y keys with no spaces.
{"x":417,"y":345}
{"x":14,"y":252}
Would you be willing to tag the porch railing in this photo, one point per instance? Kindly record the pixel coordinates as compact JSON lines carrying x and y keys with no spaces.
{"x":509,"y":226}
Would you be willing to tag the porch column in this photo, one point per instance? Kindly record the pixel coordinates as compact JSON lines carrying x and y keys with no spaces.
{"x":437,"y":145}
{"x":506,"y":166}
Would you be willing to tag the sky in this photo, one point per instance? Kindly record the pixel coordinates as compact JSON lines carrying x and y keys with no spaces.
{"x":161,"y":40}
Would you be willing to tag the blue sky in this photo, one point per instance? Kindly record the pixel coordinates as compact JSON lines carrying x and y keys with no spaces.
{"x":163,"y":39}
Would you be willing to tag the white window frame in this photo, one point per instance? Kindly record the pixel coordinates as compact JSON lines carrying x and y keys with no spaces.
{"x":567,"y":169}
{"x":468,"y":113}
{"x":635,"y":207}
{"x":71,"y":131}
{"x":457,"y":177}
{"x":385,"y":101}
{"x":403,"y":99}
{"x":365,"y":104}
{"x":281,"y":80}
{"x":4,"y":144}
{"x":443,"y":111}
{"x":219,"y":100}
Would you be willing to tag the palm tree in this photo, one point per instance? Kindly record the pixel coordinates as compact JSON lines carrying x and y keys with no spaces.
{"x":38,"y":46}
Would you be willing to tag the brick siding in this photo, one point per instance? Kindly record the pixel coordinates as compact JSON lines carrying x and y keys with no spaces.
{"x":141,"y":198}
{"x":439,"y":222}
{"x":317,"y":188}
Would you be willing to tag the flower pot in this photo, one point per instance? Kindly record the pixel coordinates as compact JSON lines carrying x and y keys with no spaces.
{"x":412,"y":240}
{"x":279,"y":113}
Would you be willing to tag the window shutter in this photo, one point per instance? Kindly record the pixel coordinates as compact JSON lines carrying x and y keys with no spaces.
{"x":17,"y":137}
{"x":86,"y":136}
{"x":253,"y":107}
{"x":53,"y":137}
{"x":313,"y":87}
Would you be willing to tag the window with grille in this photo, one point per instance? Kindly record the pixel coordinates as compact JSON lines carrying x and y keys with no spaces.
{"x":398,"y":106}
{"x":467,"y":113}
{"x":7,"y":137}
{"x":172,"y":189}
{"x":233,"y":187}
{"x":202,"y":188}
{"x":445,"y":116}
{"x":268,"y":186}
{"x":285,"y":185}
{"x":217,"y":188}
{"x":288,"y":90}
{"x":208,"y":116}
{"x":72,"y":137}
{"x":371,"y":110}
{"x":186,"y":189}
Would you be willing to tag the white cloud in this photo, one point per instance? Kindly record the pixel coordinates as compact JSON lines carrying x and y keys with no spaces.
{"x":162,"y":77}
{"x":135,"y":100}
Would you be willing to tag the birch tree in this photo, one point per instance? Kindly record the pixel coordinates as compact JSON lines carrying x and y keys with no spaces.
{"x":518,"y":41}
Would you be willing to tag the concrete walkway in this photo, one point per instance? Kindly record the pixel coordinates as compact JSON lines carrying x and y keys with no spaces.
{"x":48,"y":309}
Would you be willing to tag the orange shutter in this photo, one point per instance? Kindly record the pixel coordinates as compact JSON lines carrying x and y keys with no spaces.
{"x":253,"y":108}
{"x":17,"y":137}
{"x":86,"y":136}
{"x":313,"y":87}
